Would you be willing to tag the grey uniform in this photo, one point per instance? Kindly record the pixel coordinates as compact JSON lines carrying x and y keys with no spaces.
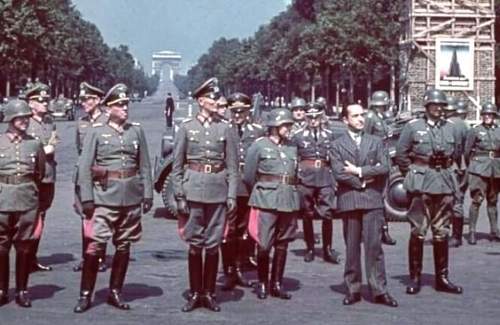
{"x":204,"y":173}
{"x":425,"y":153}
{"x":115,"y":173}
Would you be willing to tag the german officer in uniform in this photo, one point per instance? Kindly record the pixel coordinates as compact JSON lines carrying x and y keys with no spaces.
{"x":235,"y":246}
{"x":482,"y":156}
{"x":376,"y":125}
{"x":425,"y":154}
{"x":114,"y":175}
{"x":316,"y":182}
{"x":222,"y":108}
{"x":205,"y":181}
{"x":270,"y":171}
{"x":90,"y":98}
{"x":361,"y":166}
{"x":461,"y":130}
{"x":43,"y":128}
{"x":22,"y":167}
{"x":298,"y":107}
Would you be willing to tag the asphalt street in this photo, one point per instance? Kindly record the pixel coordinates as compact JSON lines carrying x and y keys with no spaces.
{"x":157,"y":278}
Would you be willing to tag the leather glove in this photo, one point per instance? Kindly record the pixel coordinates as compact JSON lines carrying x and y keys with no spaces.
{"x":147,"y":204}
{"x":231,"y":205}
{"x":182,"y":207}
{"x":88,"y":209}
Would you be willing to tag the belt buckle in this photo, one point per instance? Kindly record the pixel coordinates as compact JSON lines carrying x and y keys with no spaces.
{"x":207,"y":169}
{"x":317,"y":163}
{"x":285,"y":179}
{"x":491,"y":154}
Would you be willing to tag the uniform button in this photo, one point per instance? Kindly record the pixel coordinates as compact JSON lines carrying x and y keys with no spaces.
{"x":123,"y":158}
{"x":208,"y":142}
{"x":241,"y":149}
{"x":207,"y":133}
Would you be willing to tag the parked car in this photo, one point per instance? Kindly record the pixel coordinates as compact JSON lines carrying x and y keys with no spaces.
{"x":62,"y":107}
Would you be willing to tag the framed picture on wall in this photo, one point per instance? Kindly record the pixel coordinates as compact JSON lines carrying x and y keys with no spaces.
{"x":454,"y":64}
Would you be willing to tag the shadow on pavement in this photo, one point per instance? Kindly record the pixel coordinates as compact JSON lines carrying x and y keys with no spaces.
{"x":163,"y":213}
{"x":169,"y":254}
{"x":130,"y":292}
{"x":426,"y":279}
{"x":44,"y":291}
{"x":56,"y":259}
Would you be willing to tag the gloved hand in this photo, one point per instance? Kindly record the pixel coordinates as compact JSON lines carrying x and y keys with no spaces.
{"x":147,"y":204}
{"x":88,"y":209}
{"x":231,"y":205}
{"x":182,"y":206}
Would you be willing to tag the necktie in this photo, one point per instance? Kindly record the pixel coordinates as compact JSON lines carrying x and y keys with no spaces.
{"x":240,"y":130}
{"x":316,"y":135}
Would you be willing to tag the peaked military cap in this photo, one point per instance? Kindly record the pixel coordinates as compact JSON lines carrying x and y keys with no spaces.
{"x":298,"y":102}
{"x":16,"y":108}
{"x":38,"y":91}
{"x":279,"y":116}
{"x":87,"y":90}
{"x":489,"y":108}
{"x":117,"y":94}
{"x":222,"y":102}
{"x":239,"y":100}
{"x":379,"y":98}
{"x":315,"y":109}
{"x":209,"y":88}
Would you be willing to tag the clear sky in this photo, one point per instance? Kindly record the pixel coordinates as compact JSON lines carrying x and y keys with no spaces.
{"x":185,"y":26}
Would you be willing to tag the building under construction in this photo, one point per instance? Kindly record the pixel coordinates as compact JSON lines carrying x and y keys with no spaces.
{"x":449,"y":45}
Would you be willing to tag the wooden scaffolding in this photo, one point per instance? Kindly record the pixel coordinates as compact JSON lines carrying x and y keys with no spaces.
{"x":425,"y":22}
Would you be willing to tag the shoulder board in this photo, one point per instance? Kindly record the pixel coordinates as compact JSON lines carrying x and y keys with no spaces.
{"x":186,"y":120}
{"x":477,"y":125}
{"x":327,"y":130}
{"x":258,"y":126}
{"x":414,"y":120}
{"x":259,"y":139}
{"x":224,"y":121}
{"x":299,"y":130}
{"x":97,"y":124}
{"x":136,"y":123}
{"x":450,"y":121}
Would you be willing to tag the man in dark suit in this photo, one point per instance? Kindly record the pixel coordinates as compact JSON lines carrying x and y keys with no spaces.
{"x":360,"y":166}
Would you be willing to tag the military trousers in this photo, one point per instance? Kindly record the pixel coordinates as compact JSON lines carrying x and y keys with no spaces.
{"x":270,"y":227}
{"x":430,"y":210}
{"x":364,"y":226}
{"x":121,"y":224}
{"x":484,"y":188}
{"x":205,"y":226}
{"x":237,"y":222}
{"x":317,"y":201}
{"x":19,"y":228}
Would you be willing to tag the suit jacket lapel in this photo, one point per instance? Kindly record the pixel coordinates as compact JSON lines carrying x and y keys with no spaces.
{"x":363,"y":149}
{"x":350,"y":146}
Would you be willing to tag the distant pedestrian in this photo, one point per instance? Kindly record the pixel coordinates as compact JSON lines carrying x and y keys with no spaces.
{"x":169,"y":109}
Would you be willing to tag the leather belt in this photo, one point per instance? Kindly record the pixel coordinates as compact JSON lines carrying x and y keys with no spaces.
{"x":122,"y":173}
{"x":205,"y":168}
{"x":490,"y":154}
{"x":425,"y":162}
{"x":283,"y":179}
{"x":314,"y":163}
{"x":16,"y":179}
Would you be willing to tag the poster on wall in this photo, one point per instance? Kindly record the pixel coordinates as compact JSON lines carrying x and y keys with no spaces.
{"x":454,"y":64}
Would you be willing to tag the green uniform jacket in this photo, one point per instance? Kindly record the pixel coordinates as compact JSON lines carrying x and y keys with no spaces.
{"x":43,"y":132}
{"x":461,"y":130}
{"x":113,"y":150}
{"x":482,"y":140}
{"x":418,"y":141}
{"x":266,"y":157}
{"x":83,"y":126}
{"x":375,"y":125}
{"x":213,"y":145}
{"x":22,"y":159}
{"x":250,"y":133}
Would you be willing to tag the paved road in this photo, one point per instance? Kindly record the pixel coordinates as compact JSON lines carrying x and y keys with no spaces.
{"x":157,"y":276}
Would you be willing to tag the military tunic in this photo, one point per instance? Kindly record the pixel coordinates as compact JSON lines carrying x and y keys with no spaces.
{"x":316,"y":182}
{"x":482,"y":156}
{"x":270,"y":171}
{"x":238,"y":221}
{"x":461,"y":130}
{"x":115,"y":173}
{"x":425,"y":153}
{"x":204,"y":172}
{"x":83,"y":126}
{"x":22,"y":167}
{"x":45,"y":131}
